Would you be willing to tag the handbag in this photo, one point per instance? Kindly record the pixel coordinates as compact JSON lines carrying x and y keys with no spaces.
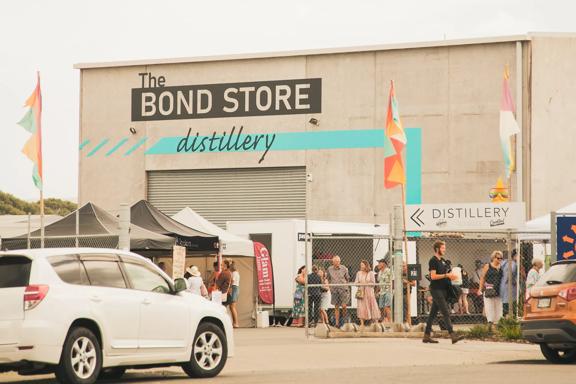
{"x":490,"y":291}
{"x":453,"y":294}
{"x":359,"y":294}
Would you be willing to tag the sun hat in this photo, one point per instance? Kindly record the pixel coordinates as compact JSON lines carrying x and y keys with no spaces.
{"x":193,"y":270}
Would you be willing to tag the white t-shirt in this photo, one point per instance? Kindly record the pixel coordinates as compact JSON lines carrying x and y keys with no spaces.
{"x":236,"y":278}
{"x":195,"y":285}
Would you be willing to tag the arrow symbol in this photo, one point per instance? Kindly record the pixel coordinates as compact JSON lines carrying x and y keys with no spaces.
{"x":573,"y":227}
{"x":568,"y":254}
{"x":416,"y":217}
{"x":568,"y":239}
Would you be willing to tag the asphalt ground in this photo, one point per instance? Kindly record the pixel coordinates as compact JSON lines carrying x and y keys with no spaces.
{"x":284,"y":355}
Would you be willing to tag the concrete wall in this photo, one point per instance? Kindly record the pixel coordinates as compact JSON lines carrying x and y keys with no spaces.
{"x":452,"y":93}
{"x":553,"y":123}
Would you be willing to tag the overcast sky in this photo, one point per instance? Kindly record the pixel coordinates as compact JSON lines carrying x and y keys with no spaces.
{"x":52,"y":35}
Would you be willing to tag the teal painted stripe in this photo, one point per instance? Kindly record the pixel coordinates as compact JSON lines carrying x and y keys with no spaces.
{"x":136,"y":146}
{"x":117,"y":146}
{"x":97,"y":148}
{"x":84,"y":143}
{"x":413,"y":169}
{"x":287,"y":141}
{"x":413,"y":165}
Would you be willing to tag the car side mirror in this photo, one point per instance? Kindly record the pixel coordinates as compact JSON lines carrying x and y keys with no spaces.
{"x":180,"y":285}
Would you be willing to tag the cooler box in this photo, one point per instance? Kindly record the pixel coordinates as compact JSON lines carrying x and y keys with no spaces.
{"x":262,"y":319}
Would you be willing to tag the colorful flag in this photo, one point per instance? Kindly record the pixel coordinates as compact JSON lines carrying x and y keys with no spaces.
{"x":32,"y":123}
{"x":508,"y":125}
{"x":394,"y":173}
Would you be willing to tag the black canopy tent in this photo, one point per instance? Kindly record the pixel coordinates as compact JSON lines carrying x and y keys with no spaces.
{"x":96,"y":228}
{"x":149,"y":217}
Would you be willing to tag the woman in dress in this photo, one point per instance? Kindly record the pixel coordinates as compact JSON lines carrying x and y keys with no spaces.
{"x":463,"y":299}
{"x":367,"y":307}
{"x":534,"y":274}
{"x":298,"y":310}
{"x":490,"y":286}
{"x":195,"y":282}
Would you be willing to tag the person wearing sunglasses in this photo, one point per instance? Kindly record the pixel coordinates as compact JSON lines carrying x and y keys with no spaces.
{"x":490,"y":286}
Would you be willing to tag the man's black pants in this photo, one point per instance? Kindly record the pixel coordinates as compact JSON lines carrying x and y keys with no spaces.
{"x":314,"y":300}
{"x":439,"y":303}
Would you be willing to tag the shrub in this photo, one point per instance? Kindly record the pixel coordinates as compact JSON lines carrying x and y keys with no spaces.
{"x":509,"y":328}
{"x":481,"y":331}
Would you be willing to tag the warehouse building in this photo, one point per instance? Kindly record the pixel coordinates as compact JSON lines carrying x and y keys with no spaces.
{"x":234,"y":137}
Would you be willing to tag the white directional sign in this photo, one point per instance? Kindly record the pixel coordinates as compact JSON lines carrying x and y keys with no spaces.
{"x":465,"y":217}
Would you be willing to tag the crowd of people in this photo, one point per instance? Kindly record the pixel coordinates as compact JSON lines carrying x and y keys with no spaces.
{"x":451,"y":290}
{"x":223,"y":285}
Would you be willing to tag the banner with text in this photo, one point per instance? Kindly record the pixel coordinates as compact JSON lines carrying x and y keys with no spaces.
{"x":265,"y":274}
{"x":465,"y":217}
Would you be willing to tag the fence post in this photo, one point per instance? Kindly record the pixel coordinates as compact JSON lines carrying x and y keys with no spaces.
{"x":510,"y":285}
{"x":77,"y":227}
{"x":29,"y":229}
{"x":124,"y":228}
{"x":397,"y":263}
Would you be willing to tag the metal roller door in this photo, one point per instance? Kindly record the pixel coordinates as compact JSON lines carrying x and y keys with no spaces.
{"x":222,"y":195}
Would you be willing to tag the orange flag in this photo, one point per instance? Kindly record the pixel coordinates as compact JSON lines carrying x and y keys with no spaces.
{"x":394,"y":173}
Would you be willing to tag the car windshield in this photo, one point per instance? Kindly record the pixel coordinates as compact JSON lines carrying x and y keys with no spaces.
{"x":558,"y":274}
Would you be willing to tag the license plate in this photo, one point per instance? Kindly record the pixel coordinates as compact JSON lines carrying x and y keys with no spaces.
{"x":544,"y":303}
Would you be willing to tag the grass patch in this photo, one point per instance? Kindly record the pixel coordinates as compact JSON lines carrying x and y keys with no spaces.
{"x":509,"y":329}
{"x":481,"y":331}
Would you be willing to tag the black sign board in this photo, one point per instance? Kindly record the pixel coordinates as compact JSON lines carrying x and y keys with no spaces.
{"x":260,"y":98}
{"x":414,"y":272}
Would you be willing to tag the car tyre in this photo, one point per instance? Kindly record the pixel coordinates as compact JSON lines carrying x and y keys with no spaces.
{"x":209,"y":352}
{"x":558,"y":357}
{"x":114,"y":373}
{"x":81,"y":359}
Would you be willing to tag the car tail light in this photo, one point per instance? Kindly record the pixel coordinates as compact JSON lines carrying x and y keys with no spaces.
{"x":568,"y":294}
{"x":33,"y":295}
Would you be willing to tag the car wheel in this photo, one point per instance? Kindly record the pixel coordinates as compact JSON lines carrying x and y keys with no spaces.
{"x":557,"y":356}
{"x":81,"y":358}
{"x":114,"y":373}
{"x":209,"y":352}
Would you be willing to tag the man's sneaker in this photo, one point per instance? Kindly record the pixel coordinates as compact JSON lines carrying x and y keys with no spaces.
{"x":428,"y":339}
{"x":456,"y":338}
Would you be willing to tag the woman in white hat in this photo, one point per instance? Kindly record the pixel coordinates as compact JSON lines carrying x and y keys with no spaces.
{"x":195,"y":283}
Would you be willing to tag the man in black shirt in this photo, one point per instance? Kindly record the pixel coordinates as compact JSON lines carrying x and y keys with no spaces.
{"x":440,"y":277}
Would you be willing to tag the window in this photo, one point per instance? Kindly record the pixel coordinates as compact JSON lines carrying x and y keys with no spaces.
{"x":144,"y":279}
{"x":558,"y":274}
{"x":70,"y":269}
{"x":14,"y":271}
{"x":104,"y":273}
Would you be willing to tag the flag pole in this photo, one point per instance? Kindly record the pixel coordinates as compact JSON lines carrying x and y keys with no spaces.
{"x":41,"y":219}
{"x":408,"y":296}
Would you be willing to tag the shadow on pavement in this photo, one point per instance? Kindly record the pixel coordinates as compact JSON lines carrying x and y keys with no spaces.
{"x":521,"y":362}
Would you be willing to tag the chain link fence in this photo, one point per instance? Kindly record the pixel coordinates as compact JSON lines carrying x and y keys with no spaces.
{"x":341,"y":266}
{"x":470,"y":255}
{"x":341,"y":281}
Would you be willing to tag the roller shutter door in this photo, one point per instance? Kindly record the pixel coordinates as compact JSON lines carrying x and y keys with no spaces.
{"x":221,"y":195}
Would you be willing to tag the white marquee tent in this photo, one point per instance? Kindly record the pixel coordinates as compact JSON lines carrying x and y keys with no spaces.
{"x":232,"y":245}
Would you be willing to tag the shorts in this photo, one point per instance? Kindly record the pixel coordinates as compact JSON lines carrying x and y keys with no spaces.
{"x":233,"y":295}
{"x":465,"y":291}
{"x":325,"y":301}
{"x":340,"y":296}
{"x":385,"y":300}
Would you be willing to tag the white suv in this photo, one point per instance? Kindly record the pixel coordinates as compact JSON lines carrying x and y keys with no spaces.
{"x":86,"y":313}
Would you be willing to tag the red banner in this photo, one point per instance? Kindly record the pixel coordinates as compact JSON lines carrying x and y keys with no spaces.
{"x":265,"y":275}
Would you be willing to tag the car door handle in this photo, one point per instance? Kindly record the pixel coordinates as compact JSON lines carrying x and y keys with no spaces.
{"x":95,"y":299}
{"x":146,"y":302}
